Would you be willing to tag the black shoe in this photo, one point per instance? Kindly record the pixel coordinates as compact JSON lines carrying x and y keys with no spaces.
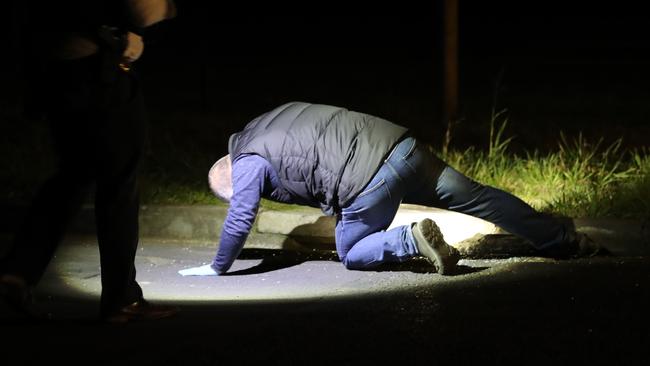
{"x":431,"y":244}
{"x":140,"y":310}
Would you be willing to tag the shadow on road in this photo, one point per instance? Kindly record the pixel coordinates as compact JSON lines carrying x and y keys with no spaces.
{"x":273,"y":260}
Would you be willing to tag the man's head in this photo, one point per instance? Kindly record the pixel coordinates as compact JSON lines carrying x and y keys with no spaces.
{"x":220,"y":178}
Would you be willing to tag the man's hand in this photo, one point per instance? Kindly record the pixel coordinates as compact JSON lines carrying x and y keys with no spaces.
{"x":134,"y":48}
{"x":205,"y":270}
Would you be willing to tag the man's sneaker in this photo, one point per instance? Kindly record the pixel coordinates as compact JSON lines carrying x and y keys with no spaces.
{"x":579,"y":245}
{"x":431,"y":244}
{"x":585,"y":246}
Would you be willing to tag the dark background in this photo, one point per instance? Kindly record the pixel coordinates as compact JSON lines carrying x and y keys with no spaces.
{"x":553,"y":66}
{"x":570,"y":67}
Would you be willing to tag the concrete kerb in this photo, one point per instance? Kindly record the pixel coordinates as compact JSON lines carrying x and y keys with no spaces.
{"x":307,"y":229}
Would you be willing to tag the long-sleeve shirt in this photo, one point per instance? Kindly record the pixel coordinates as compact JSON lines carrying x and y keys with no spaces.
{"x":252,"y":178}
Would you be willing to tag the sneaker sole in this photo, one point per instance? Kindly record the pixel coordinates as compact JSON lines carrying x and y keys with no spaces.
{"x":428,"y":232}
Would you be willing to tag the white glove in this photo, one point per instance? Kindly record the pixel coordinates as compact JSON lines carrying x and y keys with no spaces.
{"x":204,"y":270}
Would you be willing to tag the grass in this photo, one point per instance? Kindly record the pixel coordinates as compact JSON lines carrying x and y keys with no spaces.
{"x":579,"y":179}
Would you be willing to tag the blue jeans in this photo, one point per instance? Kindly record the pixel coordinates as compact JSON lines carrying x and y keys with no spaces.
{"x":413,"y":174}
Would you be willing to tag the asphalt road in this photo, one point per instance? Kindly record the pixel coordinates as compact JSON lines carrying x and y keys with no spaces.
{"x":290,"y":308}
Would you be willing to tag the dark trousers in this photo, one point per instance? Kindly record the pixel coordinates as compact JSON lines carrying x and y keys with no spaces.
{"x":413,"y":174}
{"x":99,"y":128}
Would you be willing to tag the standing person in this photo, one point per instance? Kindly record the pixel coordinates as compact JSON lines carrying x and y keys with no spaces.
{"x":82,"y":54}
{"x":360,"y":168}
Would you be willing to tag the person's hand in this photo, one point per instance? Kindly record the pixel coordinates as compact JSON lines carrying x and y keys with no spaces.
{"x":205,"y":270}
{"x":134,"y":48}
